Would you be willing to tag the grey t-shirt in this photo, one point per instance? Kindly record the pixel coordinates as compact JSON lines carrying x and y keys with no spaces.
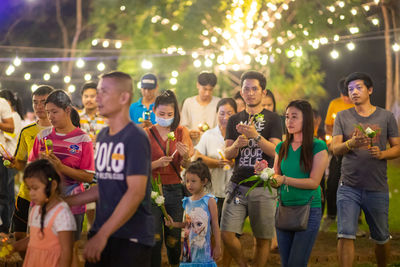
{"x":359,"y":168}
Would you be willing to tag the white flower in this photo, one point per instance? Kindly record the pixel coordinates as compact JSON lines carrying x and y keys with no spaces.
{"x":266,"y":174}
{"x":160,"y":200}
{"x":154,"y":194}
{"x":369,"y":131}
{"x":260,"y":119}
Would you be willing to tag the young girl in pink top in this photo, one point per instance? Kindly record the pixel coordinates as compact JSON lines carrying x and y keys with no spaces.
{"x":51,"y":223}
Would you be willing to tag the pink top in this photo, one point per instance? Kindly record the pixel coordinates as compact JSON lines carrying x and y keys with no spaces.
{"x":75,"y":150}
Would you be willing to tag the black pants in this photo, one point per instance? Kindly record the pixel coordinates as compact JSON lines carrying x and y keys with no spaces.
{"x":332,"y":185}
{"x":122,"y":252}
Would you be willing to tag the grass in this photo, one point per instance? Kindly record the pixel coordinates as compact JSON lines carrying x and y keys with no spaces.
{"x":393,"y":173}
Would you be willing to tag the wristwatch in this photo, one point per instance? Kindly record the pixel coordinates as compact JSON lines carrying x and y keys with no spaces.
{"x":258,"y":138}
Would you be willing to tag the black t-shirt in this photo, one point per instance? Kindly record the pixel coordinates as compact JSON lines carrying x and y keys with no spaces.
{"x":123,"y":154}
{"x":270,"y":127}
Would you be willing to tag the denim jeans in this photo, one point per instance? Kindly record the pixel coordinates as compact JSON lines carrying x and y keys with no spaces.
{"x":7,"y":200}
{"x":295,"y":247}
{"x":376,"y":209}
{"x":173,"y":204}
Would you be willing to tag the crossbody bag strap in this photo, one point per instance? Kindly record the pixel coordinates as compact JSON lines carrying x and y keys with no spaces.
{"x":165,"y":153}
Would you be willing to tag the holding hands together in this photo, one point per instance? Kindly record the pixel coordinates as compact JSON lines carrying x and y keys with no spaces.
{"x":248,"y":130}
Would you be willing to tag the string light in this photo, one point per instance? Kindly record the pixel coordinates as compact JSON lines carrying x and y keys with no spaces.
{"x":351,"y":46}
{"x":118,"y":44}
{"x":175,"y":27}
{"x":375,"y":21}
{"x":95,"y":42}
{"x":27,"y":76}
{"x":17,"y":61}
{"x":173,"y":81}
{"x":331,"y":8}
{"x":10,"y":70}
{"x":71,"y":88}
{"x":67,"y":79}
{"x":336,"y":37}
{"x":208,"y":63}
{"x":55,"y":69}
{"x":174,"y":73}
{"x":354,"y":30}
{"x":353,"y":11}
{"x":146,"y":64}
{"x":101,"y":66}
{"x":122,"y":8}
{"x":366,"y":8}
{"x":80,"y":63}
{"x":34,"y":87}
{"x":342,"y":17}
{"x":341,"y":4}
{"x":396,"y":47}
{"x":197,"y":63}
{"x":334,"y":54}
{"x":46,"y":76}
{"x":87,"y":77}
{"x":106,"y":43}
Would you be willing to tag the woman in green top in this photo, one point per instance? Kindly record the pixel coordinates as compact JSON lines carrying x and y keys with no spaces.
{"x":300,"y":162}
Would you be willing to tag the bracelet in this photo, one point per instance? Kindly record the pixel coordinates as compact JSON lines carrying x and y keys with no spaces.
{"x":284,"y":179}
{"x":258,"y":138}
{"x":347,"y":144}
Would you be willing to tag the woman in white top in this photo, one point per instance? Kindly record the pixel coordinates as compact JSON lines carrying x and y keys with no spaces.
{"x":210,"y":148}
{"x":11,"y":140}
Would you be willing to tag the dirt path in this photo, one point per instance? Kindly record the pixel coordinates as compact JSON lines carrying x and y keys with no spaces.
{"x":324,"y":251}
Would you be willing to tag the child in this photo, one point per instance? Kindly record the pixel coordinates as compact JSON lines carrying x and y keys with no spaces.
{"x":201,"y":214}
{"x":51,"y":223}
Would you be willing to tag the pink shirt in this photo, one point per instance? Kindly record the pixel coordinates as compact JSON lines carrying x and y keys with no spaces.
{"x":75,"y":150}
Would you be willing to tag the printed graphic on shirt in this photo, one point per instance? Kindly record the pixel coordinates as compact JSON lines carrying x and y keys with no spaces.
{"x":252,"y":153}
{"x":110,"y":161}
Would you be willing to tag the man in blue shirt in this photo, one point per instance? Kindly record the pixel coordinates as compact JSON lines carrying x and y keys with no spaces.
{"x":141,"y":112}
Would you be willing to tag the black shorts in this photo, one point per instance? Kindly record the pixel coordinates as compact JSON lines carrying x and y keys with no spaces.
{"x":20,"y":216}
{"x":122,"y":252}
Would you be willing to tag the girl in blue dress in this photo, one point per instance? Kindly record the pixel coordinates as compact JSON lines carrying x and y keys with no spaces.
{"x":201,"y":219}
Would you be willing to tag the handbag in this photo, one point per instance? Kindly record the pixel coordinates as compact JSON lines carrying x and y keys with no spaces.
{"x":292,"y":218}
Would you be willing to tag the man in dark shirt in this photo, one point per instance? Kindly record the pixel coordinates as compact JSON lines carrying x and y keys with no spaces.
{"x":123,"y":231}
{"x":251,"y":136}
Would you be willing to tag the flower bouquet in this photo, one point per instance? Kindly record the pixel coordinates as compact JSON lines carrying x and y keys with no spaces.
{"x":203,"y":127}
{"x":368,"y":132}
{"x":263,"y":175}
{"x":8,"y":257}
{"x":157,"y":195}
{"x":170,"y":137}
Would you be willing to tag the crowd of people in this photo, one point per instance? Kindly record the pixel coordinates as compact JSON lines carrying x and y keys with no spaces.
{"x":150,"y":173}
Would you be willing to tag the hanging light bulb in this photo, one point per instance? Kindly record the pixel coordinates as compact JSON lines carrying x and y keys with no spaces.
{"x":334,"y":54}
{"x":55,"y":69}
{"x":351,"y":46}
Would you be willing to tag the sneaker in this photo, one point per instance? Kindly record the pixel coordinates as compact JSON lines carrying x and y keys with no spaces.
{"x":361,"y":233}
{"x":326,"y":224}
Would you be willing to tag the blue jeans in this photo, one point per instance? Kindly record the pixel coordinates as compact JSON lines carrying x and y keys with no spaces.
{"x":7,"y":199}
{"x":173,"y":204}
{"x":295,"y":247}
{"x":376,"y":209}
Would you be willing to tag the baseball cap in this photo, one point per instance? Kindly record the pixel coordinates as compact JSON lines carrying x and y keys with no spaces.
{"x":148,"y":81}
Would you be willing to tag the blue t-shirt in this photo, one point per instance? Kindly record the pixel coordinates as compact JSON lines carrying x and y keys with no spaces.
{"x":138,"y":110}
{"x":118,"y":156}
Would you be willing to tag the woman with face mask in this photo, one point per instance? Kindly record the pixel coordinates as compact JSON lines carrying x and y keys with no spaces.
{"x":171,"y":148}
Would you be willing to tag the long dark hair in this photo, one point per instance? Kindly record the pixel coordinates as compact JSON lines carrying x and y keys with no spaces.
{"x":43,"y":170}
{"x":15,"y":101}
{"x":62,"y":100}
{"x":268,"y":93}
{"x":306,"y":157}
{"x":167,"y":97}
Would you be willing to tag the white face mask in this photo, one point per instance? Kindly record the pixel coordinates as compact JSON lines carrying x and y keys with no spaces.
{"x":164,"y":122}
